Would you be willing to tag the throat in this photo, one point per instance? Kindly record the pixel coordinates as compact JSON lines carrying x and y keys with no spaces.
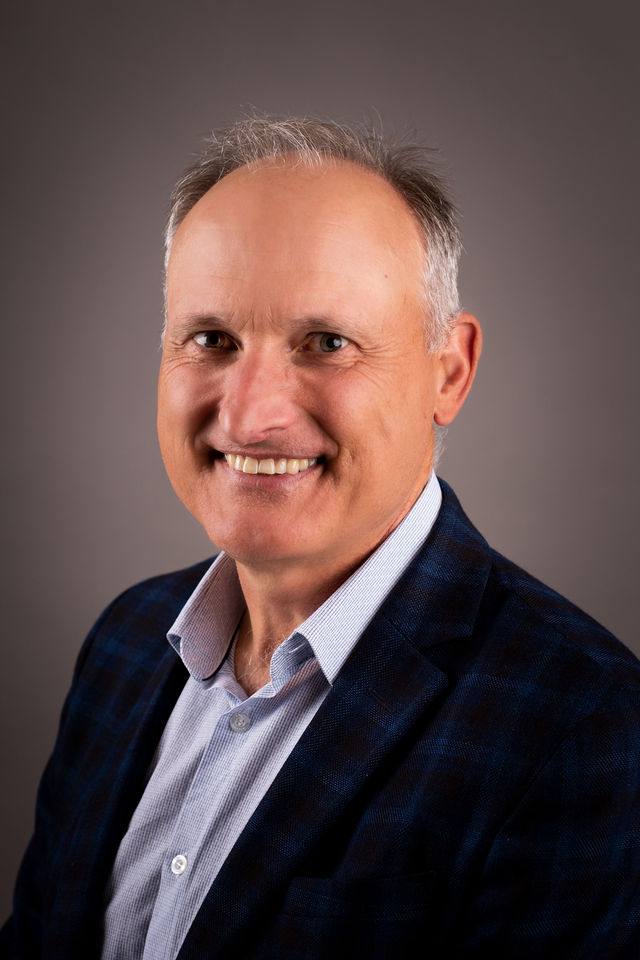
{"x":252,"y":659}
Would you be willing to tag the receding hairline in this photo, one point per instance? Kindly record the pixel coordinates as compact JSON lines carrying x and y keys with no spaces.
{"x":316,"y":171}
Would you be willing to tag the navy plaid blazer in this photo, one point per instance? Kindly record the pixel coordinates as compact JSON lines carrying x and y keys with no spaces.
{"x":469,"y":788}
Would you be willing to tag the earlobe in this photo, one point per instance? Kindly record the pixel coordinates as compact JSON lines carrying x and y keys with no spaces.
{"x":458,"y":362}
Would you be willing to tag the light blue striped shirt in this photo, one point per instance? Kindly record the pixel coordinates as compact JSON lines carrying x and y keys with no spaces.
{"x":221,"y":750}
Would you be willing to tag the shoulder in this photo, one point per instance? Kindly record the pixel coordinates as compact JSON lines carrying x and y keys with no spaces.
{"x":124,"y":659}
{"x":535,"y":649}
{"x":162,"y":593}
{"x":533,"y":609}
{"x":555,"y":670}
{"x":143,"y":613}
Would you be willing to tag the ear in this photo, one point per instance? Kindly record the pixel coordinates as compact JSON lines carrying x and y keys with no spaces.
{"x":457,"y":363}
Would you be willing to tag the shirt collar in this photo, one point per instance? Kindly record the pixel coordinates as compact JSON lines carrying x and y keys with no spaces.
{"x":205,"y":626}
{"x":204,"y":629}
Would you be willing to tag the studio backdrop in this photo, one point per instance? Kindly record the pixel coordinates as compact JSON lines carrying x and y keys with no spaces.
{"x":532,"y":107}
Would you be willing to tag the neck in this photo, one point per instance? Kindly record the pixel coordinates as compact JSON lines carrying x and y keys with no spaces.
{"x":277,"y":602}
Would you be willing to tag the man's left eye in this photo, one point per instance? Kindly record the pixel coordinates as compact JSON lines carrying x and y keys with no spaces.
{"x":329,"y":342}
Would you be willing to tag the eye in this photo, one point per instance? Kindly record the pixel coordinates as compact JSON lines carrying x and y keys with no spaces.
{"x":327,"y":342}
{"x":214,"y":340}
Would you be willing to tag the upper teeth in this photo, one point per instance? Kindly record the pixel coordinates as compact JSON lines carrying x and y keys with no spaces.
{"x":270,"y":466}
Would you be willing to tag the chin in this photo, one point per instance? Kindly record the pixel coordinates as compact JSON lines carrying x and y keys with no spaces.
{"x":247,"y":545}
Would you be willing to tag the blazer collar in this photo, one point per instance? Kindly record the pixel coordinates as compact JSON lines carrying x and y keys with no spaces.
{"x":439,"y":596}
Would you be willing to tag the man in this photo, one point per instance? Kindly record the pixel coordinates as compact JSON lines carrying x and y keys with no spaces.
{"x":387,"y":737}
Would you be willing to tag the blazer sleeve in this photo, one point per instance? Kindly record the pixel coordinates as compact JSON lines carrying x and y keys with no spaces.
{"x":562,"y":878}
{"x":21,"y":938}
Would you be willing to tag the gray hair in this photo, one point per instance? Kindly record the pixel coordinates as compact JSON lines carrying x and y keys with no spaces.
{"x":315,"y":142}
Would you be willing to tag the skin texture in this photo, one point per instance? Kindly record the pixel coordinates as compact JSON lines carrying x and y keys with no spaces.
{"x":266,"y":265}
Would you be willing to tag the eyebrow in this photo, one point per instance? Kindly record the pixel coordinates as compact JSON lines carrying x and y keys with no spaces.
{"x":188,"y":323}
{"x":197,"y":319}
{"x":319,"y":323}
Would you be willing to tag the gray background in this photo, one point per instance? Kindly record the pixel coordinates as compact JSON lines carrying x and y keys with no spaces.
{"x":533,"y":106}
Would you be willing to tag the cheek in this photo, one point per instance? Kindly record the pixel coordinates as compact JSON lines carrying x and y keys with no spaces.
{"x":185,"y":402}
{"x":181,"y":405}
{"x":393,"y":408}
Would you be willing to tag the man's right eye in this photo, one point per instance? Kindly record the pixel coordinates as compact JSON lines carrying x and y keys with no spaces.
{"x":214,"y":340}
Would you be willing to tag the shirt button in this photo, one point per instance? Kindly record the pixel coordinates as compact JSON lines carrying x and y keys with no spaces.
{"x":239,"y":722}
{"x":179,"y":864}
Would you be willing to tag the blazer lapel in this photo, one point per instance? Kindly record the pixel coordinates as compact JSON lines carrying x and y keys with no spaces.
{"x":386,"y":685}
{"x":146,"y":696}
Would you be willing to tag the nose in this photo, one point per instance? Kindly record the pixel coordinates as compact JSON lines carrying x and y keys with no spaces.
{"x":258,"y":398}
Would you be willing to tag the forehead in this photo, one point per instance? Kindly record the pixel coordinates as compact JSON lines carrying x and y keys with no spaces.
{"x":282,"y":227}
{"x":288,"y":198}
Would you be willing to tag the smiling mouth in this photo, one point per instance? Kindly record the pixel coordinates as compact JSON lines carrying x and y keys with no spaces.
{"x":271,"y":465}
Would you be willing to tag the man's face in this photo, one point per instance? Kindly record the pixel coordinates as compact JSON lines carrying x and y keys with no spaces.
{"x":294,"y":334}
